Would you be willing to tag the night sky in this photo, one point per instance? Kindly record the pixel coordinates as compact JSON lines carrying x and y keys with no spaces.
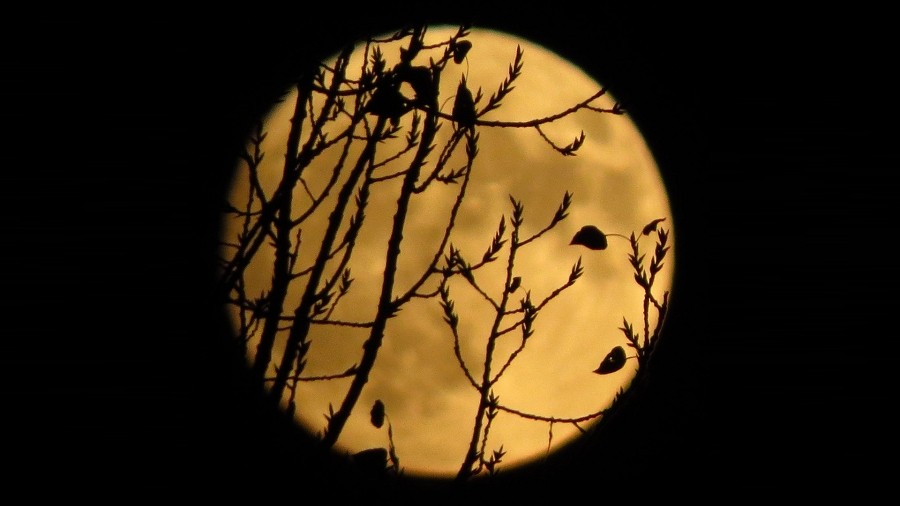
{"x":774,"y":131}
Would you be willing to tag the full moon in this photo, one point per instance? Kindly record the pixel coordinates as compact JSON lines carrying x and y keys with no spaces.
{"x":427,"y":373}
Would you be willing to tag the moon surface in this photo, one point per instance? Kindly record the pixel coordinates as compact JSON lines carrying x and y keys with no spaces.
{"x":430,"y":405}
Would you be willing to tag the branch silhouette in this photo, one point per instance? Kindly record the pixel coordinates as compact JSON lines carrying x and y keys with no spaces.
{"x":384,"y":141}
{"x":488,"y":404}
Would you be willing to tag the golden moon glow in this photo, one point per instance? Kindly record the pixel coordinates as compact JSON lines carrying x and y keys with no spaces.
{"x":430,"y":404}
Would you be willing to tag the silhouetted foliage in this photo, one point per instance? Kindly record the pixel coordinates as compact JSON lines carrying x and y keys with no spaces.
{"x":591,"y":237}
{"x":613,"y":361}
{"x":350,"y":119}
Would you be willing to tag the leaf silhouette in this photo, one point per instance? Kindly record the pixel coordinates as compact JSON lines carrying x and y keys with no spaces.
{"x":422,"y":83}
{"x":388,"y":102}
{"x":613,"y":361}
{"x":460,"y":49}
{"x":464,"y":106}
{"x":377,"y":414}
{"x":651,"y":227}
{"x":590,"y":237}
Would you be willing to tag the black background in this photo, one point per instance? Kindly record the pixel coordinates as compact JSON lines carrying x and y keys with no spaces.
{"x":775,"y":133}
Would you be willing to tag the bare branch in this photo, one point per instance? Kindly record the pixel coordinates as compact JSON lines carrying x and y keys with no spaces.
{"x":553,"y":419}
{"x":564,"y":150}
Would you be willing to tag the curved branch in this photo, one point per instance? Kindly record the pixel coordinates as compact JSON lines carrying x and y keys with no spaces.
{"x":553,"y":419}
{"x":459,"y":359}
{"x":563,"y":150}
{"x":585,"y":104}
{"x":346,"y":374}
{"x":471,"y":151}
{"x":341,"y":323}
{"x":509,"y":360}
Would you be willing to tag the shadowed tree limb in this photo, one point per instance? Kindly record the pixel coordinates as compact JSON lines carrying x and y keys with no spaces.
{"x":387,"y":307}
{"x":300,"y":329}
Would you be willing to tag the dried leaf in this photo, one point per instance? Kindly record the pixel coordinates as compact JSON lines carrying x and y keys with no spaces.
{"x":613,"y":361}
{"x":377,"y":414}
{"x":422,"y":83}
{"x":464,"y":106}
{"x":460,"y":48}
{"x":387,"y":101}
{"x":590,"y":237}
{"x":651,"y":227}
